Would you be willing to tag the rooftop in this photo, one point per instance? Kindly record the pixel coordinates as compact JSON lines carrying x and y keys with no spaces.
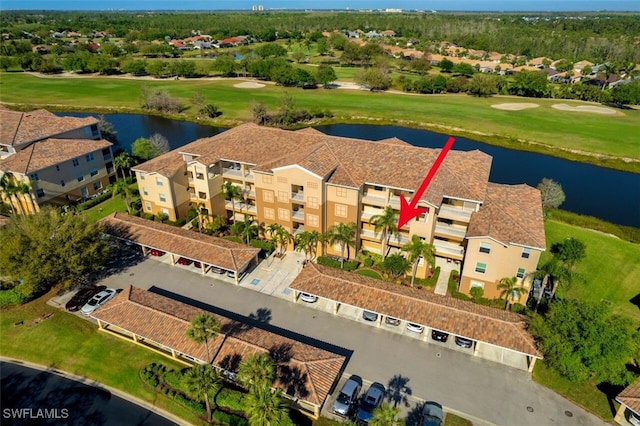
{"x":182,"y":242}
{"x":630,"y":397}
{"x":466,"y":319}
{"x":304,"y":371}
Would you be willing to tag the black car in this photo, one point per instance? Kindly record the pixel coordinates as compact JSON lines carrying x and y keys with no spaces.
{"x":463,"y":343}
{"x":82,"y":297}
{"x":439,"y":336}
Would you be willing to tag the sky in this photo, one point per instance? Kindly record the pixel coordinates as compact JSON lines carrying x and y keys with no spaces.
{"x":458,"y":5}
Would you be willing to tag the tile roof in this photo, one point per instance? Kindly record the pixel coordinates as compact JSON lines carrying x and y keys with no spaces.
{"x":390,"y":162}
{"x":630,"y":397}
{"x":304,"y":371}
{"x":17,"y":128}
{"x":463,"y":318}
{"x":48,"y":152}
{"x":167,"y":164}
{"x":182,"y":242}
{"x":510,"y":214}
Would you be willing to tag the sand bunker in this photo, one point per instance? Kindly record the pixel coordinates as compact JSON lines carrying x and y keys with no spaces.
{"x":514,"y":106}
{"x":584,"y":108}
{"x":248,"y":85}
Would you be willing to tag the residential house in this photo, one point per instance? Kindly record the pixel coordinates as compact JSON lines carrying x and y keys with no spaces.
{"x":307,"y":181}
{"x":388,"y":33}
{"x":629,"y":411}
{"x":62,"y":159}
{"x":579,"y":66}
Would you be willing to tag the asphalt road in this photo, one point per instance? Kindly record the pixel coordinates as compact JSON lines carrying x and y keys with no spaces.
{"x":481,"y":389}
{"x":35,"y":397}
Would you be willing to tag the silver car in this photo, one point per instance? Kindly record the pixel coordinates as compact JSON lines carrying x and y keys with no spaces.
{"x":98,"y":300}
{"x":348,"y":396}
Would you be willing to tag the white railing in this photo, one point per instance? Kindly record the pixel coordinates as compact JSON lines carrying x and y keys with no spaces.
{"x":297,"y":196}
{"x":298,"y":214}
{"x":374,"y":199}
{"x":450,"y":230}
{"x":447,"y":249}
{"x":453,"y":212}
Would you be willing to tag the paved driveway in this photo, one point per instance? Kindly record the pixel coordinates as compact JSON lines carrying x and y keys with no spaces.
{"x":478,"y":388}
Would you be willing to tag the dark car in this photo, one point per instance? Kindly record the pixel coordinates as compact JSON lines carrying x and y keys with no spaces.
{"x":155,"y":252}
{"x":82,"y":297}
{"x":369,"y":316}
{"x":439,"y":336}
{"x":370,"y":402}
{"x":432,"y":414}
{"x":184,"y":261}
{"x":197,"y":264}
{"x":464,"y":343}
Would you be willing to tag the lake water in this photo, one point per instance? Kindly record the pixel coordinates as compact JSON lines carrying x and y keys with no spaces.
{"x":595,"y":191}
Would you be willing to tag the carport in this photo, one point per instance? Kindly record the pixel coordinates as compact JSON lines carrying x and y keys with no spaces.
{"x":498,"y":335}
{"x":178,"y":242}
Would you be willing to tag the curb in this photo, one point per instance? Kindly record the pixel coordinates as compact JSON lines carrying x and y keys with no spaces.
{"x":88,"y":382}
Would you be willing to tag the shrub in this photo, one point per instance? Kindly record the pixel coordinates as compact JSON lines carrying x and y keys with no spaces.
{"x":223,"y":418}
{"x":195,"y":406}
{"x":368,"y":262}
{"x":369,"y":273}
{"x":231,"y":399}
{"x":267,"y":246}
{"x":12,"y":297}
{"x":147,"y":216}
{"x":234,"y":239}
{"x":348,"y":265}
{"x":94,"y":201}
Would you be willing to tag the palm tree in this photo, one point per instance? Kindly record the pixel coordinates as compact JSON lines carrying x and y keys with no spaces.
{"x":273,"y":229}
{"x":385,"y":415}
{"x":124,"y":161}
{"x":558,"y":273}
{"x":256,"y":371}
{"x":203,"y":379}
{"x":265,"y":407}
{"x":307,"y":241}
{"x":282,"y":238}
{"x":510,"y":290}
{"x":203,"y":328}
{"x":387,"y":222}
{"x":417,"y":249}
{"x":7,"y":188}
{"x":233,"y":193}
{"x":344,"y":235}
{"x":120,"y":187}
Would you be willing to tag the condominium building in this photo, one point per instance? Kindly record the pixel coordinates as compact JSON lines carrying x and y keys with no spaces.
{"x":307,"y":181}
{"x":53,"y":160}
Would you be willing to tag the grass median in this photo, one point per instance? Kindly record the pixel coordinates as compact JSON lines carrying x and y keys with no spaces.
{"x":543,"y":129}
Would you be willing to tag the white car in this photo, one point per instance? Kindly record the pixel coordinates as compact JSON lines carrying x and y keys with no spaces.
{"x":416,"y":328}
{"x":309,"y":298}
{"x":98,"y":300}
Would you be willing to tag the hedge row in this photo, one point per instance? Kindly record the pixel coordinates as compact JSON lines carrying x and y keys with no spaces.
{"x":348,"y":265}
{"x":94,"y":201}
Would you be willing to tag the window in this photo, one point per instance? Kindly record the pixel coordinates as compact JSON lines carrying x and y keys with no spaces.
{"x":162,"y":197}
{"x":269,"y":213}
{"x":62,"y":182}
{"x":80,"y":178}
{"x":313,"y":220}
{"x":84,"y":192}
{"x":312,"y":202}
{"x":89,"y":158}
{"x":283,"y":214}
{"x":75,"y":162}
{"x":341,"y":192}
{"x":40,"y":192}
{"x":267,"y":179}
{"x":476,"y":284}
{"x":57,"y":168}
{"x":341,"y":210}
{"x":199,"y":175}
{"x":165,"y":212}
{"x":526,"y":252}
{"x":34,"y":176}
{"x":93,"y":172}
{"x":202,"y":195}
{"x":147,"y":206}
{"x":267,"y":196}
{"x":283,"y":196}
{"x":141,"y":176}
{"x":485,"y":248}
{"x":144,"y":191}
{"x":481,"y":268}
{"x":97,"y":185}
{"x":520,"y":273}
{"x":159,"y":181}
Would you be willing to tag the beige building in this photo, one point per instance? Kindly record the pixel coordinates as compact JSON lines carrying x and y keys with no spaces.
{"x":307,"y":181}
{"x":54,"y":160}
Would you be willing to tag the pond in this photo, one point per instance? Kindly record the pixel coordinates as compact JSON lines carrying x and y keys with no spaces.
{"x":608,"y":194}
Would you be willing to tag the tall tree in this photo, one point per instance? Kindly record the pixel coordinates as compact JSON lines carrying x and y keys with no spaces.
{"x":307,"y":241}
{"x":265,"y":407}
{"x":551,"y":193}
{"x":121,"y":187}
{"x":144,"y":149}
{"x":387,"y":223}
{"x":202,"y":329}
{"x":124,"y":161}
{"x":342,"y":234}
{"x":7,"y":189}
{"x":160,"y":143}
{"x":107,"y":130}
{"x":510,"y":290}
{"x":233,"y":193}
{"x":203,"y":379}
{"x":385,"y":415}
{"x":569,"y":251}
{"x":256,"y":371}
{"x":396,"y":265}
{"x":417,"y":249}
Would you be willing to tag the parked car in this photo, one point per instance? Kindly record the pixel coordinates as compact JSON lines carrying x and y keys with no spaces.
{"x":439,"y":336}
{"x":155,"y":252}
{"x":392,"y":321}
{"x":432,"y":414}
{"x":371,"y":401}
{"x":634,"y":418}
{"x":184,"y":261}
{"x":464,"y":343}
{"x":416,"y":328}
{"x":369,"y":316}
{"x":82,"y":296}
{"x":348,"y":397}
{"x":231,"y":274}
{"x":197,"y":264}
{"x":309,"y":298}
{"x":217,"y":270}
{"x":98,"y":300}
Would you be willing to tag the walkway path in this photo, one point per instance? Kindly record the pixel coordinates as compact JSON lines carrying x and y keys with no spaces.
{"x":445,"y":272}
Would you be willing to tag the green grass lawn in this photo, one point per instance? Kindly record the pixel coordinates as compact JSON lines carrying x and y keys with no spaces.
{"x":105,"y":208}
{"x":74,"y":345}
{"x":611,"y":268}
{"x":369,"y":273}
{"x":459,"y":114}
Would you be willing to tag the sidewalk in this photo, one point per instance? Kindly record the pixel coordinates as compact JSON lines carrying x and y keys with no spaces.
{"x":445,"y":272}
{"x":273,"y":275}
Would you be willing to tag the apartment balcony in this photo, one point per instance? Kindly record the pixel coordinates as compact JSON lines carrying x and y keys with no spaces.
{"x":374,"y":200}
{"x":232,"y":171}
{"x":298,"y":215}
{"x":249,"y":177}
{"x":193,"y":195}
{"x":298,"y":230}
{"x":450,"y":231}
{"x":297,"y":196}
{"x":394,"y":201}
{"x":449,"y":250}
{"x":400,"y":240}
{"x":366,"y":216}
{"x":369,"y":234}
{"x":455,"y":213}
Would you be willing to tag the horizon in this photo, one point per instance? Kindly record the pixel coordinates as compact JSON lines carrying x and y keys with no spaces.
{"x":525,"y":6}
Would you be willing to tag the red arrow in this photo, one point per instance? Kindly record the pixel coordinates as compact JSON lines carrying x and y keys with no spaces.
{"x":409,"y":210}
